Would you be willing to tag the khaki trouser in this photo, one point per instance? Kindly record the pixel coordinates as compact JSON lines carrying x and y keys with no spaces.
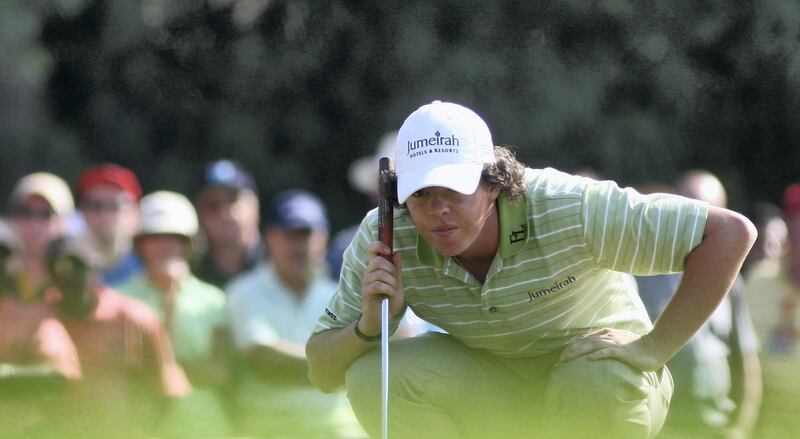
{"x":439,"y":388}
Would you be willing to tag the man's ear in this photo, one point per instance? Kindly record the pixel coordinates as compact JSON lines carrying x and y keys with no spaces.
{"x":494,"y":191}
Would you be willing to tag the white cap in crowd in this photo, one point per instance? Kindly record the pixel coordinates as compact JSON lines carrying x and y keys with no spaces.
{"x":165,"y":212}
{"x":363,"y":172}
{"x":442,"y":144}
{"x":48,"y":186}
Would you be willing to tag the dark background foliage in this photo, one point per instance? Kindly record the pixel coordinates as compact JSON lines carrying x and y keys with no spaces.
{"x":297,"y":89}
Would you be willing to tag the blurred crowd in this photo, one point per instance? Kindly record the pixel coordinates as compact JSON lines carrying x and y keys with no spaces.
{"x":125,"y":314}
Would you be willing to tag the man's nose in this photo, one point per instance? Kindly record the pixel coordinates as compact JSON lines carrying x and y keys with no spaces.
{"x":440,"y":205}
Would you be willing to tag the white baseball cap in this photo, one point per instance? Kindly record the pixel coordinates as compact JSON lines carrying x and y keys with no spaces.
{"x":166,"y":212}
{"x":48,"y":186}
{"x":442,"y":144}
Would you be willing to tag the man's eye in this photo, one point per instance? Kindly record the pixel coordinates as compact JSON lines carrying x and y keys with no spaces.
{"x":419,"y":193}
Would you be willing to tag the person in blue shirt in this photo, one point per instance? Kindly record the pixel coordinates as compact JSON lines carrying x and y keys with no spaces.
{"x":108,"y":199}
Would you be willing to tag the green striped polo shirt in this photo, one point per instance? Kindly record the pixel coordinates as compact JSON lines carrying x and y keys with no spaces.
{"x":558,"y":272}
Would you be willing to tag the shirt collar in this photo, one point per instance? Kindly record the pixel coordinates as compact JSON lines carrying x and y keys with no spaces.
{"x":513,"y":217}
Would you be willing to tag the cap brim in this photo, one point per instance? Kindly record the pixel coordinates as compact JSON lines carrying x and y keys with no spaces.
{"x":462,"y":178}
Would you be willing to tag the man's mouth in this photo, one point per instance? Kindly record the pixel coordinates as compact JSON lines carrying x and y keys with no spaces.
{"x":444,"y":231}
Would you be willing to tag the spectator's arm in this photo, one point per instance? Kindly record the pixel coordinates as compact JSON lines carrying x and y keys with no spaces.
{"x":749,"y":404}
{"x":746,"y":382}
{"x":216,"y":369}
{"x":174,"y":383}
{"x":281,"y":361}
{"x":54,"y":347}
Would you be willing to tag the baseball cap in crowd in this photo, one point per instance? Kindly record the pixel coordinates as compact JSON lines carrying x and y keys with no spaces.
{"x":295,"y":210}
{"x":226,"y":173}
{"x":111,"y":175}
{"x":166,"y":212}
{"x":442,"y":144}
{"x":791,"y":200}
{"x":363,"y":172}
{"x":74,"y":247}
{"x":48,"y":186}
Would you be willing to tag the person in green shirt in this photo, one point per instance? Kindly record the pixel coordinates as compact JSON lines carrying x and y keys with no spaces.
{"x":524,"y":270}
{"x":193,"y":312}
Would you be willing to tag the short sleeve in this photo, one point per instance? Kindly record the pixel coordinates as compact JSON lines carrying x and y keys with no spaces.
{"x":641,"y":234}
{"x":345,"y":305}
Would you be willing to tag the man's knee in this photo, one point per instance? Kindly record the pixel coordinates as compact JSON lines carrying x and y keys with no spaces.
{"x":597,"y":381}
{"x":610,"y":395}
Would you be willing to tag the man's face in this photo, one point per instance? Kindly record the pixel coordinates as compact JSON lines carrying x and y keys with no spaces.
{"x":72,"y":276}
{"x":295,"y":253}
{"x":160,"y":252}
{"x":35,"y":223}
{"x":109,"y":212}
{"x":227,"y":214}
{"x":450,"y":221}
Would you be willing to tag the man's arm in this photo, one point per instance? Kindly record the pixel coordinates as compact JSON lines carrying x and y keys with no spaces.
{"x":213,"y":370}
{"x":709,"y":272}
{"x":749,"y":402}
{"x":55,"y":347}
{"x":281,"y":361}
{"x":708,"y":275}
{"x":174,"y":383}
{"x":746,"y":385}
{"x":330,"y":353}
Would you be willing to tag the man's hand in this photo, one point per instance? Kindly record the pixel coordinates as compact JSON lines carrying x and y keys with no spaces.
{"x":381,"y":278}
{"x":630,"y":348}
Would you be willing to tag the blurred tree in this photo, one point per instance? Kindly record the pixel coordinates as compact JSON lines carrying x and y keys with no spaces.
{"x":297,"y":89}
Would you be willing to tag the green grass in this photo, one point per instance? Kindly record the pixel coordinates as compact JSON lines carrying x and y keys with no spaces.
{"x":780,"y":409}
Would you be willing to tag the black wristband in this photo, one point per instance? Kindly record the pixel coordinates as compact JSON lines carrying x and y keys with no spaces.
{"x":361,"y":335}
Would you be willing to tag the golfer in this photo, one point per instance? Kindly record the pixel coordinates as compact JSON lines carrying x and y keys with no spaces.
{"x":524,"y":268}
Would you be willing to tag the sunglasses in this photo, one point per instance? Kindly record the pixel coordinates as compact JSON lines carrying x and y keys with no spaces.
{"x":102,"y":205}
{"x":33,"y":214}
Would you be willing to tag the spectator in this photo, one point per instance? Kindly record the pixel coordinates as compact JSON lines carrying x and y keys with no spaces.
{"x":108,"y":195}
{"x":273,"y":311}
{"x":363,"y":176}
{"x":36,"y":355}
{"x":228,"y":208}
{"x":39,"y":206}
{"x":720,"y":358}
{"x":771,"y":244}
{"x":193,"y":311}
{"x":126,"y":358}
{"x":777,"y":289}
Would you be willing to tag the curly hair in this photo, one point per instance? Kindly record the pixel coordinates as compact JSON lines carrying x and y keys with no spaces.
{"x":507,"y":173}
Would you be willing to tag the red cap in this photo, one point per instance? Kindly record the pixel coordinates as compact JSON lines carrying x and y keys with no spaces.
{"x":112,"y":175}
{"x":791,"y":200}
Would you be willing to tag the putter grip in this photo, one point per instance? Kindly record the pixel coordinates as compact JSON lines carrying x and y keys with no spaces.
{"x":387,"y":193}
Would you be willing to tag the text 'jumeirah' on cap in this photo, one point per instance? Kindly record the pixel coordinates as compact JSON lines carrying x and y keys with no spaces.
{"x":442,"y":144}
